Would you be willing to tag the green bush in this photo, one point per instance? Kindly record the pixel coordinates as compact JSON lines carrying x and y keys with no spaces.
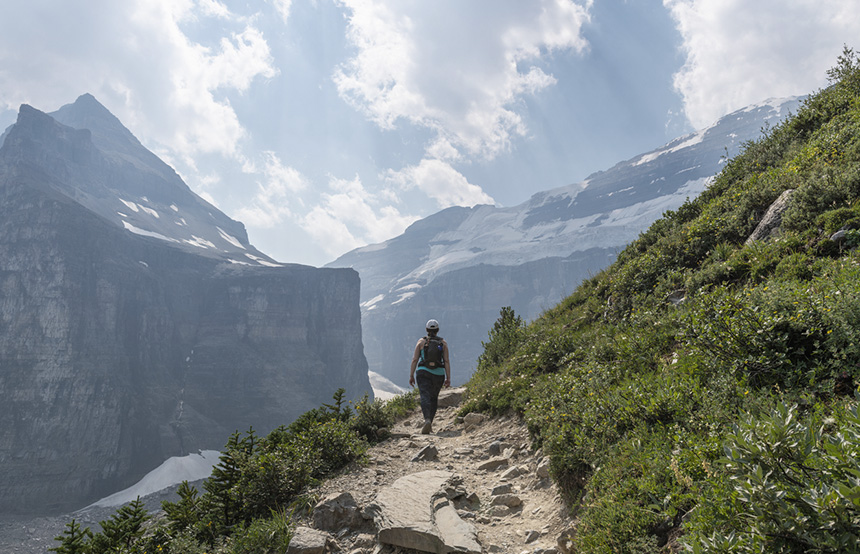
{"x":264,"y":536}
{"x":790,"y":485}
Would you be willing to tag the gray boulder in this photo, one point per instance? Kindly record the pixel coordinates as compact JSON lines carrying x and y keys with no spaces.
{"x":336,"y":512}
{"x":308,"y":541}
{"x":768,"y":227}
{"x":414,"y":513}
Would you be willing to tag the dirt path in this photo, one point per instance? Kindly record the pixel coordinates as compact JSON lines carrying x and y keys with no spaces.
{"x":513,"y":504}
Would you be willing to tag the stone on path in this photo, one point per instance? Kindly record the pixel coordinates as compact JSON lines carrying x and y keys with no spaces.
{"x":412,"y":513}
{"x":427,"y":453}
{"x":308,"y":541}
{"x":337,"y":511}
{"x":493,"y":464}
{"x":473,"y":418}
{"x":449,"y":398}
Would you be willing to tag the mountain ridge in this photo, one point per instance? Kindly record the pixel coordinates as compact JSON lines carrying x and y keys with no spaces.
{"x":458,"y":265}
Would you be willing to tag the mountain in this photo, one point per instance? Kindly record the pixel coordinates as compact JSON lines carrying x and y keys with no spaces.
{"x":462,"y":265}
{"x":137,"y":322}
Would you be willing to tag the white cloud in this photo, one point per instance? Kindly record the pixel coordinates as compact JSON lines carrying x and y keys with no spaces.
{"x":438,"y":180}
{"x":456,"y":68}
{"x":739,"y":52}
{"x":283,"y":8}
{"x":136,"y":58}
{"x":270,"y":205}
{"x":350,"y":217}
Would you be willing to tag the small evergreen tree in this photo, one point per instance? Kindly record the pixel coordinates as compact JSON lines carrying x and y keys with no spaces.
{"x":185,"y":513}
{"x":505,"y":336}
{"x":74,"y":540}
{"x":122,"y":530}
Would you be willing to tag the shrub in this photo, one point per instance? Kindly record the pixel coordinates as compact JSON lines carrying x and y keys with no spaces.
{"x":790,"y":485}
{"x":264,"y":536}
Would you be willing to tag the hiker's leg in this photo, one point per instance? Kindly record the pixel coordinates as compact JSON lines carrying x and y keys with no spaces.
{"x":436,"y":384}
{"x":425,"y":389}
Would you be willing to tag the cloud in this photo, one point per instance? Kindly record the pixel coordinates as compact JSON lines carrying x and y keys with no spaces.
{"x":270,"y":205}
{"x":282,"y":7}
{"x":137,"y":59}
{"x":458,"y":69}
{"x":440,"y":181}
{"x":350,"y":217}
{"x":740,"y":53}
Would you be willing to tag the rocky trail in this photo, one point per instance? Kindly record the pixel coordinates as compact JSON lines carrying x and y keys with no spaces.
{"x":473,"y":486}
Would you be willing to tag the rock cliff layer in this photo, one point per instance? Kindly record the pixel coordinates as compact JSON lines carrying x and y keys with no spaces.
{"x":119,"y":350}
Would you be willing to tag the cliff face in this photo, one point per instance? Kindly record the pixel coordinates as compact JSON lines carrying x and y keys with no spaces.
{"x":120,"y":349}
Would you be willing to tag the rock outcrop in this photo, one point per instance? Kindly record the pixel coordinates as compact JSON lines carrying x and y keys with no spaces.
{"x":122,"y":346}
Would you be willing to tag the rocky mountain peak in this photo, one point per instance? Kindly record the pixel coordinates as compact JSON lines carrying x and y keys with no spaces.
{"x":87,"y":155}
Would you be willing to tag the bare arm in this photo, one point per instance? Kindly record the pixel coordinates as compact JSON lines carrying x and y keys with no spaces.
{"x":415,"y":357}
{"x":447,"y":363}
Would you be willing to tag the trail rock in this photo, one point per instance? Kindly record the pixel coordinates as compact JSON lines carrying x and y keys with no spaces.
{"x":543,"y":468}
{"x":512,"y":473}
{"x":501,"y":489}
{"x":411,"y":513}
{"x":532,"y":536}
{"x":427,"y":453}
{"x":449,"y":398}
{"x":308,"y":541}
{"x":337,"y":511}
{"x":493,"y":464}
{"x":457,"y":535}
{"x":472,"y":419}
{"x":509,"y":500}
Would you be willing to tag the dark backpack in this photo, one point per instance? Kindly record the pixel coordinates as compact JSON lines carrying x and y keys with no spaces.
{"x":434,"y":352}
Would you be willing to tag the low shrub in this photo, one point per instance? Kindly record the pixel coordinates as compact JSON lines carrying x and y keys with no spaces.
{"x":789,"y":484}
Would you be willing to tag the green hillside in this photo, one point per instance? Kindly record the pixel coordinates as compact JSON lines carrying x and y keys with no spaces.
{"x":700,"y":392}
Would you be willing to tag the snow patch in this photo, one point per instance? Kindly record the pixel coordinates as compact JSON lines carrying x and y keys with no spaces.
{"x":230,"y":238}
{"x":199,"y":242}
{"x":383,"y":388}
{"x":130,"y":205}
{"x":172,"y":472}
{"x":403,"y":297}
{"x":261,"y":261}
{"x":150,"y":211}
{"x":174,"y":208}
{"x":686,"y":142}
{"x":371,"y":303}
{"x":145,"y":233}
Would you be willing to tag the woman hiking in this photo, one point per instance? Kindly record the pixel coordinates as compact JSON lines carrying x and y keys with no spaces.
{"x":431,"y":368}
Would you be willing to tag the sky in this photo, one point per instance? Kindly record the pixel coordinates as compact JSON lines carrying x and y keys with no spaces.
{"x":325,"y":125}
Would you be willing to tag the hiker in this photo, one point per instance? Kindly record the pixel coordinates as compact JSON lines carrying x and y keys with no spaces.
{"x":432,"y":370}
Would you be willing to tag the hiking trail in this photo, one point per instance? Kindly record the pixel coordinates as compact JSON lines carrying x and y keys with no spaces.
{"x":473,"y":486}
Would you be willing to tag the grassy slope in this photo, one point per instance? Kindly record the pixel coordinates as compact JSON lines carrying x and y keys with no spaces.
{"x":636,"y":399}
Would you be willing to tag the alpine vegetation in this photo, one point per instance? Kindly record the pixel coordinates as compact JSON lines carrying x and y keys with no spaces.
{"x":701,"y":393}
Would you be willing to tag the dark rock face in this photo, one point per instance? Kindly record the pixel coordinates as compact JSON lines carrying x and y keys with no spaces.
{"x":118,"y":351}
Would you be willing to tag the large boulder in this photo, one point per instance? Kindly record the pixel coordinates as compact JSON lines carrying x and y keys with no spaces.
{"x":414,"y":512}
{"x":769,"y":225}
{"x":336,"y":512}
